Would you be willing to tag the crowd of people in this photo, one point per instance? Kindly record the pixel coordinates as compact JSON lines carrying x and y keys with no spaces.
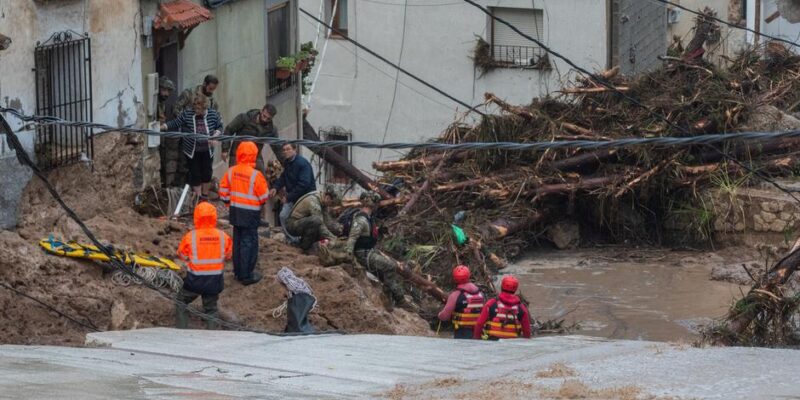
{"x":305,"y":217}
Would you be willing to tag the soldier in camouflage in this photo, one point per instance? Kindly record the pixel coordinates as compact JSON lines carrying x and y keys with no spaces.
{"x":186,"y":98}
{"x":165,"y":89}
{"x":362,"y":236}
{"x":310,"y":220}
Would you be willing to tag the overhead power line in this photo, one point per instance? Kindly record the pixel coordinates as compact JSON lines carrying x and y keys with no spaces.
{"x":662,"y":141}
{"x":382,"y":58}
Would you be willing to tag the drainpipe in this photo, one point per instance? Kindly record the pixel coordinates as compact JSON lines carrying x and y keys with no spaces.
{"x":757,"y":22}
{"x":299,"y":95}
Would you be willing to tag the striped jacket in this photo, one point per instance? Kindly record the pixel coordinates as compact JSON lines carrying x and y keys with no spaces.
{"x":186,"y":123}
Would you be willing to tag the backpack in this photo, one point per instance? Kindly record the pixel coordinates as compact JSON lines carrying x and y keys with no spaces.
{"x":346,"y":219}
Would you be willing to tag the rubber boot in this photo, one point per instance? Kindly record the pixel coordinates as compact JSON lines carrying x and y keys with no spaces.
{"x":181,"y":316}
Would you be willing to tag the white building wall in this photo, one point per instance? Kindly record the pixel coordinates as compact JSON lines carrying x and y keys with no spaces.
{"x":779,"y":27}
{"x":356,"y":91}
{"x":732,"y":40}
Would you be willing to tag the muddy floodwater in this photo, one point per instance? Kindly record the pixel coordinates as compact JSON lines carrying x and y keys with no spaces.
{"x":620,"y":293}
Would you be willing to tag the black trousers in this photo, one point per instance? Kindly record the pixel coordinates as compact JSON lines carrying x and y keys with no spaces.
{"x":245,"y":252}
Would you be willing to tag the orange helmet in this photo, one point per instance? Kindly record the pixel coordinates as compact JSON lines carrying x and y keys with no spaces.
{"x":509,"y":284}
{"x":461,"y":274}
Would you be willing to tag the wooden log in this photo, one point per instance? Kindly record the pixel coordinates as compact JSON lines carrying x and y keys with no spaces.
{"x":774,"y":146}
{"x":349,"y":203}
{"x":402,"y":165}
{"x":419,"y":281}
{"x":448,"y":187}
{"x":578,"y":130}
{"x":339,"y":162}
{"x":516,"y":110}
{"x":423,"y":188}
{"x":593,"y":90}
{"x":584,"y":160}
{"x":502,"y":227}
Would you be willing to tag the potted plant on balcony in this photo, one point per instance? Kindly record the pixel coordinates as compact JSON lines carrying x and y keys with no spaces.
{"x":285,"y":67}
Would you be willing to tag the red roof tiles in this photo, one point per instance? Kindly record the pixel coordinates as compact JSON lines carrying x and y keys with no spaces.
{"x":181,"y":14}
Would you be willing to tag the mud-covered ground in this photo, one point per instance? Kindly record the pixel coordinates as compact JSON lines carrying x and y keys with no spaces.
{"x":348,"y":300}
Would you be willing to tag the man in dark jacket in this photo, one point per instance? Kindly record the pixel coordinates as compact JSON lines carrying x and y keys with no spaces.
{"x":256,"y":123}
{"x":186,"y":98}
{"x":296,"y":180}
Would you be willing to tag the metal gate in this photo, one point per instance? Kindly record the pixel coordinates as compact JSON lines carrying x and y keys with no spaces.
{"x":63,"y":67}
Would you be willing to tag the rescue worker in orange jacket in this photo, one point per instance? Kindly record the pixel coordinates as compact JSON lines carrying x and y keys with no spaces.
{"x":245,"y":190}
{"x":205,"y":249}
{"x":504,"y":317}
{"x":463,"y":304}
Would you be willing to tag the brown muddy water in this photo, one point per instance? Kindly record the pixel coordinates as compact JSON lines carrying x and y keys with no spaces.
{"x":623,"y":293}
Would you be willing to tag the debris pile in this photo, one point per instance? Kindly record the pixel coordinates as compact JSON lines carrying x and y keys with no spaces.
{"x":510,"y":200}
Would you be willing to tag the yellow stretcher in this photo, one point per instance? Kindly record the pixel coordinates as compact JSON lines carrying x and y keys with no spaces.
{"x":91,"y":252}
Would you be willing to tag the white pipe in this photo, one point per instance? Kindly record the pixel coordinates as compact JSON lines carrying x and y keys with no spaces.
{"x":180,"y":202}
{"x":321,"y":56}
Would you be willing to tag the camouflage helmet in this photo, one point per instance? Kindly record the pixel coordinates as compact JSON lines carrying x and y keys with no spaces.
{"x":330,"y":190}
{"x":166,"y":83}
{"x":370,"y":199}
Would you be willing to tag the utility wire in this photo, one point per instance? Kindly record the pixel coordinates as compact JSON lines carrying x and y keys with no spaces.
{"x":661,"y":141}
{"x":732,"y":25}
{"x":382,"y":58}
{"x":114,"y":260}
{"x":74,"y":320}
{"x":396,"y":78}
{"x":637,"y":103}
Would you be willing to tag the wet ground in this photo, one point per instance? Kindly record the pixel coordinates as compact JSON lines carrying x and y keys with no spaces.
{"x":622,"y":293}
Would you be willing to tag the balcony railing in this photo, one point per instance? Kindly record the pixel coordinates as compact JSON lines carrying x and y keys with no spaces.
{"x":276,"y":85}
{"x":517,"y":56}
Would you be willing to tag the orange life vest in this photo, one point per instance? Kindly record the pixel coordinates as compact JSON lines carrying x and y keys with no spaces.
{"x":503,"y":321}
{"x":467,"y":310}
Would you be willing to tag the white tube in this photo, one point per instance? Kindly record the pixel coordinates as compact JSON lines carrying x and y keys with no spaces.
{"x":180,"y":202}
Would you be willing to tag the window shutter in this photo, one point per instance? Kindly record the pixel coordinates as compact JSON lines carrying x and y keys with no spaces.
{"x":529,"y":21}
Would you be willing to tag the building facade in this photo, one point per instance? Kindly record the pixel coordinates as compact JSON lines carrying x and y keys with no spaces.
{"x":359,"y":97}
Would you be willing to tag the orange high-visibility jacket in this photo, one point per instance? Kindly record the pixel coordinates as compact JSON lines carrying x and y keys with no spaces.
{"x":243,"y":186}
{"x":205,"y":248}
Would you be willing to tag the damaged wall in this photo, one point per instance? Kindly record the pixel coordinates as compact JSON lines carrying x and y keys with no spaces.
{"x":116,"y":67}
{"x":357,"y":91}
{"x":732,"y":40}
{"x":779,"y":27}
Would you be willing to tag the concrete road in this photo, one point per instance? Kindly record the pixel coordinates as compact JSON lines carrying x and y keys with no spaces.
{"x":163,"y":363}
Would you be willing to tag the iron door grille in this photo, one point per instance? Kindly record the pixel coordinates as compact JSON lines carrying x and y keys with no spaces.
{"x":63,"y":67}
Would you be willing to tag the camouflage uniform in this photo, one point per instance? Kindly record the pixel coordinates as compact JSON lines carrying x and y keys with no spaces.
{"x":310,"y":221}
{"x":246,"y":124}
{"x":186,"y":99}
{"x":372,"y":260}
{"x":161,"y":113}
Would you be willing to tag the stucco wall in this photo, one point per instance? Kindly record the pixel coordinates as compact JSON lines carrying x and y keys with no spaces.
{"x":779,"y":27}
{"x":356,"y":91}
{"x":116,"y":61}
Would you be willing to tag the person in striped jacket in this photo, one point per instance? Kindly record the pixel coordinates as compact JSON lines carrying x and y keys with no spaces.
{"x":198,"y":151}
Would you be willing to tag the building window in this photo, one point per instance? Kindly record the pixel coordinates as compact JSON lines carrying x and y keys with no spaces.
{"x":509,"y":48}
{"x":333,"y":174}
{"x":339,"y":18}
{"x":278,"y":45}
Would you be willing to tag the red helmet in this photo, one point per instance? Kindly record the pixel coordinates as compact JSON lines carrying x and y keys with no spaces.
{"x":509,"y":284}
{"x":461,"y":274}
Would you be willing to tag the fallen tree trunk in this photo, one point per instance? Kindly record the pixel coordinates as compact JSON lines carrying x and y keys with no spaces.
{"x":402,"y":165}
{"x":583,"y":160}
{"x":502,"y":227}
{"x":592,"y":90}
{"x":419,"y":281}
{"x":474,"y":182}
{"x":340,"y":163}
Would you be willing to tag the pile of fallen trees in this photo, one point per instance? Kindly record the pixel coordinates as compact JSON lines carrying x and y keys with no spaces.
{"x":508,"y":198}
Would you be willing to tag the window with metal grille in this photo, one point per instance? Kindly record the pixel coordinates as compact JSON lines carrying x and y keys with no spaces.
{"x":63,"y":89}
{"x":278,"y":45}
{"x":333,"y":174}
{"x":511,"y":49}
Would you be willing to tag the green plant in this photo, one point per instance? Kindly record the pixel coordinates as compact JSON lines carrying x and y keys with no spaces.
{"x":288,"y":62}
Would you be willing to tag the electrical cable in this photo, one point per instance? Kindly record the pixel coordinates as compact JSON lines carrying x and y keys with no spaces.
{"x":25,"y":160}
{"x":382,"y":58}
{"x":661,"y":141}
{"x":396,"y":79}
{"x":604,"y":82}
{"x":74,"y":320}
